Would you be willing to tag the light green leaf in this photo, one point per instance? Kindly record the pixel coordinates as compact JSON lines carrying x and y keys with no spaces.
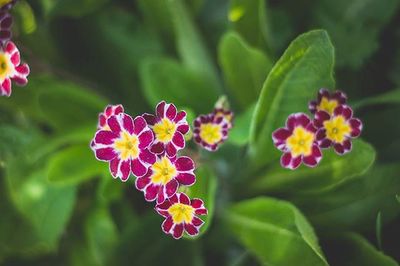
{"x":306,"y":66}
{"x":245,"y":68}
{"x":275,"y":232}
{"x":332,"y":171}
{"x":352,"y":249}
{"x":205,"y":188}
{"x":240,"y":133}
{"x":74,"y":165}
{"x":166,"y":79}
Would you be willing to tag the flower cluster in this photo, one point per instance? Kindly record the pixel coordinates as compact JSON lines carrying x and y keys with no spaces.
{"x":211,"y":130}
{"x":147,"y":146}
{"x":11,"y":68}
{"x":303,"y":138}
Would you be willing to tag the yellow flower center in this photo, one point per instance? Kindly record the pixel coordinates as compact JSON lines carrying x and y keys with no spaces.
{"x":327,"y":105}
{"x":164,"y":130}
{"x":300,"y":142}
{"x":210,"y":133}
{"x":5,"y":66}
{"x":181,"y":213}
{"x":337,"y":129}
{"x":4,"y":2}
{"x":127,"y":145}
{"x":163,"y":171}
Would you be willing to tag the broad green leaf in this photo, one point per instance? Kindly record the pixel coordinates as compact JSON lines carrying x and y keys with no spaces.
{"x":109,"y":189}
{"x":354,"y":26}
{"x":332,"y":171}
{"x":244,"y":68}
{"x":306,"y":66}
{"x":205,"y":188}
{"x":102,"y":235}
{"x":352,"y":249}
{"x":166,"y":79}
{"x":354,"y":205}
{"x":240,"y":133}
{"x":74,"y":165}
{"x":249,"y":19}
{"x":275,"y":232}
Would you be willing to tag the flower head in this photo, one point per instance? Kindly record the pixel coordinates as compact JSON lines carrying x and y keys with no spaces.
{"x":337,"y":129}
{"x":226,"y":114}
{"x":164,"y":177}
{"x":327,"y":101}
{"x":181,"y":215}
{"x":169,"y":127}
{"x":298,"y":142}
{"x":109,"y":111}
{"x":125,"y":146}
{"x":210,"y":131}
{"x":11,"y":68}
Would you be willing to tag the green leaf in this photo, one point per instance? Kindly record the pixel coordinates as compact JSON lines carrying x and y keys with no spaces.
{"x":306,"y":66}
{"x":355,"y":26}
{"x":275,"y":232}
{"x":74,"y":165}
{"x":378,"y":230}
{"x":240,"y":133}
{"x":109,"y":189}
{"x":74,"y":8}
{"x":166,"y":79}
{"x":205,"y":188}
{"x":332,"y":171}
{"x":390,"y":97}
{"x":245,"y":68}
{"x":250,"y":20}
{"x":354,"y":205}
{"x":352,"y":249}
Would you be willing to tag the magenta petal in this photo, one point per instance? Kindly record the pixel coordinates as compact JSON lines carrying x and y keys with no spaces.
{"x":171,"y":150}
{"x":113,"y":124}
{"x":171,"y":111}
{"x":197,"y":221}
{"x":114,"y":166}
{"x":177,"y":231}
{"x":15,"y":58}
{"x":157,"y":148}
{"x":184,"y":199}
{"x":339,"y":148}
{"x":183,"y":128}
{"x":145,"y":139}
{"x":325,"y":143}
{"x":150,"y":193}
{"x":105,"y":154}
{"x":6,"y":87}
{"x":105,"y":137}
{"x":201,"y":211}
{"x":356,"y":126}
{"x":150,"y":119}
{"x":160,"y":109}
{"x":140,"y":124}
{"x":312,"y":106}
{"x":161,"y":195}
{"x":286,"y":159}
{"x":125,"y":168}
{"x":147,"y":157}
{"x":344,"y":110}
{"x":191,"y":229}
{"x":320,"y":117}
{"x":167,"y":225}
{"x":127,"y":123}
{"x":186,"y":179}
{"x":280,"y":135}
{"x":347,"y":146}
{"x":174,"y":199}
{"x":180,"y":116}
{"x":138,"y":169}
{"x":314,"y":158}
{"x":171,"y":188}
{"x":142,"y":182}
{"x":297,"y":119}
{"x":184,"y":163}
{"x":197,"y":203}
{"x":178,"y":140}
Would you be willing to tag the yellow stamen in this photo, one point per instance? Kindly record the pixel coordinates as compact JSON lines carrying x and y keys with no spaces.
{"x":300,"y":142}
{"x":337,"y":129}
{"x":127,"y":145}
{"x":5,"y":66}
{"x":163,"y":171}
{"x":181,"y":213}
{"x":210,"y":133}
{"x":327,"y":105}
{"x":164,"y":130}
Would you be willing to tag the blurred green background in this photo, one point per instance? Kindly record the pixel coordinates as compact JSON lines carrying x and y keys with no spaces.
{"x":59,"y":206}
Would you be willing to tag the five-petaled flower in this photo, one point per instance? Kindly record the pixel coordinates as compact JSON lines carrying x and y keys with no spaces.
{"x":125,"y":146}
{"x":337,"y":129}
{"x":210,"y":131}
{"x":181,"y":215}
{"x":164,"y":177}
{"x":327,"y":101}
{"x":169,"y":127}
{"x":109,"y":111}
{"x":298,"y":142}
{"x":11,"y":68}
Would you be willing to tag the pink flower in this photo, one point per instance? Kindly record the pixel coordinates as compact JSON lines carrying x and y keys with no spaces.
{"x":11,"y":69}
{"x":327,"y":101}
{"x":297,"y":141}
{"x":181,"y":215}
{"x":109,"y":111}
{"x":125,"y":146}
{"x":164,"y":177}
{"x":169,"y":127}
{"x":337,"y":129}
{"x":210,"y":131}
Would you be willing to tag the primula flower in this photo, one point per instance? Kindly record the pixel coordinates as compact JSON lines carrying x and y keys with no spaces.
{"x":109,"y":111}
{"x":5,"y":26}
{"x":210,"y":131}
{"x":164,"y":177}
{"x":169,"y":127}
{"x":11,"y":69}
{"x":327,"y":101}
{"x":181,"y":215}
{"x":125,"y":145}
{"x":337,"y":129}
{"x":226,"y":114}
{"x":298,"y":142}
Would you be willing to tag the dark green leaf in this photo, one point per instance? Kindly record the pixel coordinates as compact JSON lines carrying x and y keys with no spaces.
{"x":74,"y":8}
